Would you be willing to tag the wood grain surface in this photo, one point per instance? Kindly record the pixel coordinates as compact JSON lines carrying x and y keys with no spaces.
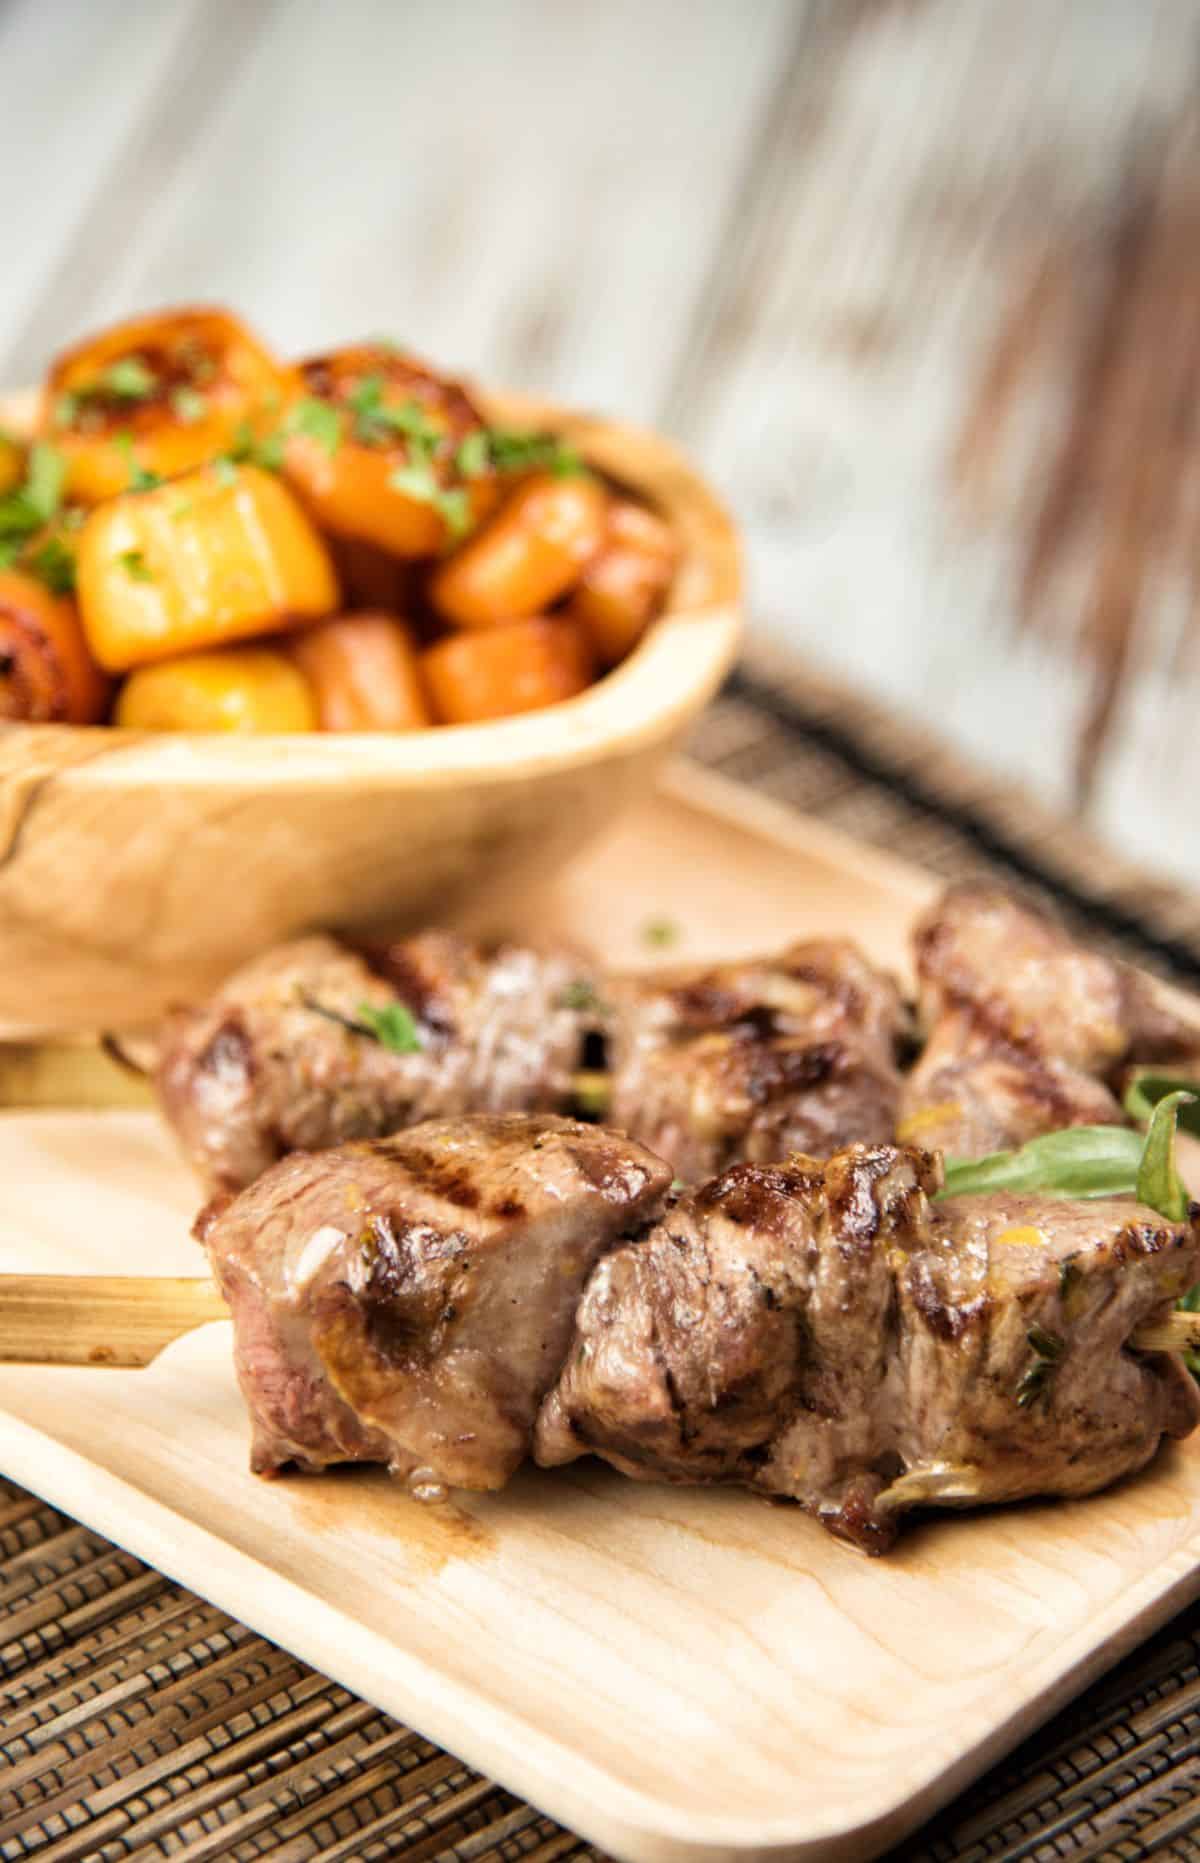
{"x":138,"y":868}
{"x":679,"y":1675}
{"x":916,"y":280}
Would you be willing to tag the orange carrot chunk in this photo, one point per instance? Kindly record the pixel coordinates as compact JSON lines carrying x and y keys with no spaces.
{"x":528,"y":555}
{"x":520,"y":666}
{"x":364,"y":673}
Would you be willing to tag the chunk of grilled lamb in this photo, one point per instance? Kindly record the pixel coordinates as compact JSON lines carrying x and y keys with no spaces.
{"x":1028,"y":1030}
{"x":410,"y":1300}
{"x":756,"y":1060}
{"x":281,"y":1060}
{"x":829,"y":1334}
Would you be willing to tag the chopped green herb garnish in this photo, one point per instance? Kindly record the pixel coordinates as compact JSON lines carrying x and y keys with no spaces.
{"x":375,"y":423}
{"x":250,"y":449}
{"x":224,"y":470}
{"x":141,"y":479}
{"x":514,"y":450}
{"x":1047,"y":1349}
{"x":54,"y":564}
{"x":319,"y":420}
{"x":188,"y":405}
{"x":394,"y":1026}
{"x":473,"y":456}
{"x":32,"y":505}
{"x":580,"y":993}
{"x":455,"y":507}
{"x":128,"y":380}
{"x":182,"y":510}
{"x":134,"y":563}
{"x":1046,"y":1344}
{"x":65,"y":409}
{"x":46,"y":474}
{"x":660,"y":932}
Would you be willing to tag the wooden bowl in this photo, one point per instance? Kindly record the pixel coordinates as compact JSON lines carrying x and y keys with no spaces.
{"x":138,"y":868}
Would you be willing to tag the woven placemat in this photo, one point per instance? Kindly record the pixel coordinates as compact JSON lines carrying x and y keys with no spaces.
{"x":138,"y":1721}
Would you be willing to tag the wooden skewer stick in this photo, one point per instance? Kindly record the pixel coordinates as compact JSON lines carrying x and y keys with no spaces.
{"x":1179,"y":1332}
{"x":127,"y":1319}
{"x":100,"y":1319}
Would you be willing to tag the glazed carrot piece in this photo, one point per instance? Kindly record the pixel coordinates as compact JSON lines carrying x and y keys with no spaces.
{"x":626,"y":582}
{"x":214,"y":556}
{"x":12,"y":462}
{"x":373,"y":448}
{"x":494,"y":672}
{"x":158,"y":395}
{"x":234,"y":689}
{"x":364,"y":673}
{"x":531,"y":552}
{"x":47,"y":674}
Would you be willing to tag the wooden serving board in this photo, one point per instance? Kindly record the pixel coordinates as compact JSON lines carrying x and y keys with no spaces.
{"x":677,"y":1674}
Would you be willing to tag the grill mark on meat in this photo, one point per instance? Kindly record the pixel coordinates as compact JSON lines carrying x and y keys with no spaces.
{"x":852,"y":1202}
{"x":775,"y":1071}
{"x":754,"y":1196}
{"x":950,"y":1320}
{"x":1151,"y":1238}
{"x":445,"y":1176}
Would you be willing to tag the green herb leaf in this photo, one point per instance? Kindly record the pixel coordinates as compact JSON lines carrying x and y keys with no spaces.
{"x":1081,"y":1161}
{"x":188,"y":405}
{"x":394,"y":1026}
{"x":319,"y":420}
{"x":512,"y":449}
{"x":473,"y":456}
{"x":580,"y":993}
{"x":375,"y":423}
{"x":1158,"y":1182}
{"x":224,"y":470}
{"x":1147,"y":1087}
{"x":134,"y":563}
{"x":141,"y":479}
{"x":65,"y":409}
{"x":54,"y":564}
{"x":250,"y":449}
{"x":46,"y":473}
{"x":455,"y":507}
{"x":660,"y":932}
{"x":128,"y":379}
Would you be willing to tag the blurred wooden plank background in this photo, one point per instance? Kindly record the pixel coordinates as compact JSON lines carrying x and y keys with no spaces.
{"x":917,"y":280}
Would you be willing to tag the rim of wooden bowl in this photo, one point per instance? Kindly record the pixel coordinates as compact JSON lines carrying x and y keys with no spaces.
{"x":666,"y":680}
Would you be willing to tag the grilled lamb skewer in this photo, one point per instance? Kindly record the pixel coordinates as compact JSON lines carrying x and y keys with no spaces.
{"x":281,"y":1058}
{"x":821,"y":1332}
{"x":1028,"y":1030}
{"x":757,"y":1059}
{"x":410,"y":1300}
{"x":737,"y":1060}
